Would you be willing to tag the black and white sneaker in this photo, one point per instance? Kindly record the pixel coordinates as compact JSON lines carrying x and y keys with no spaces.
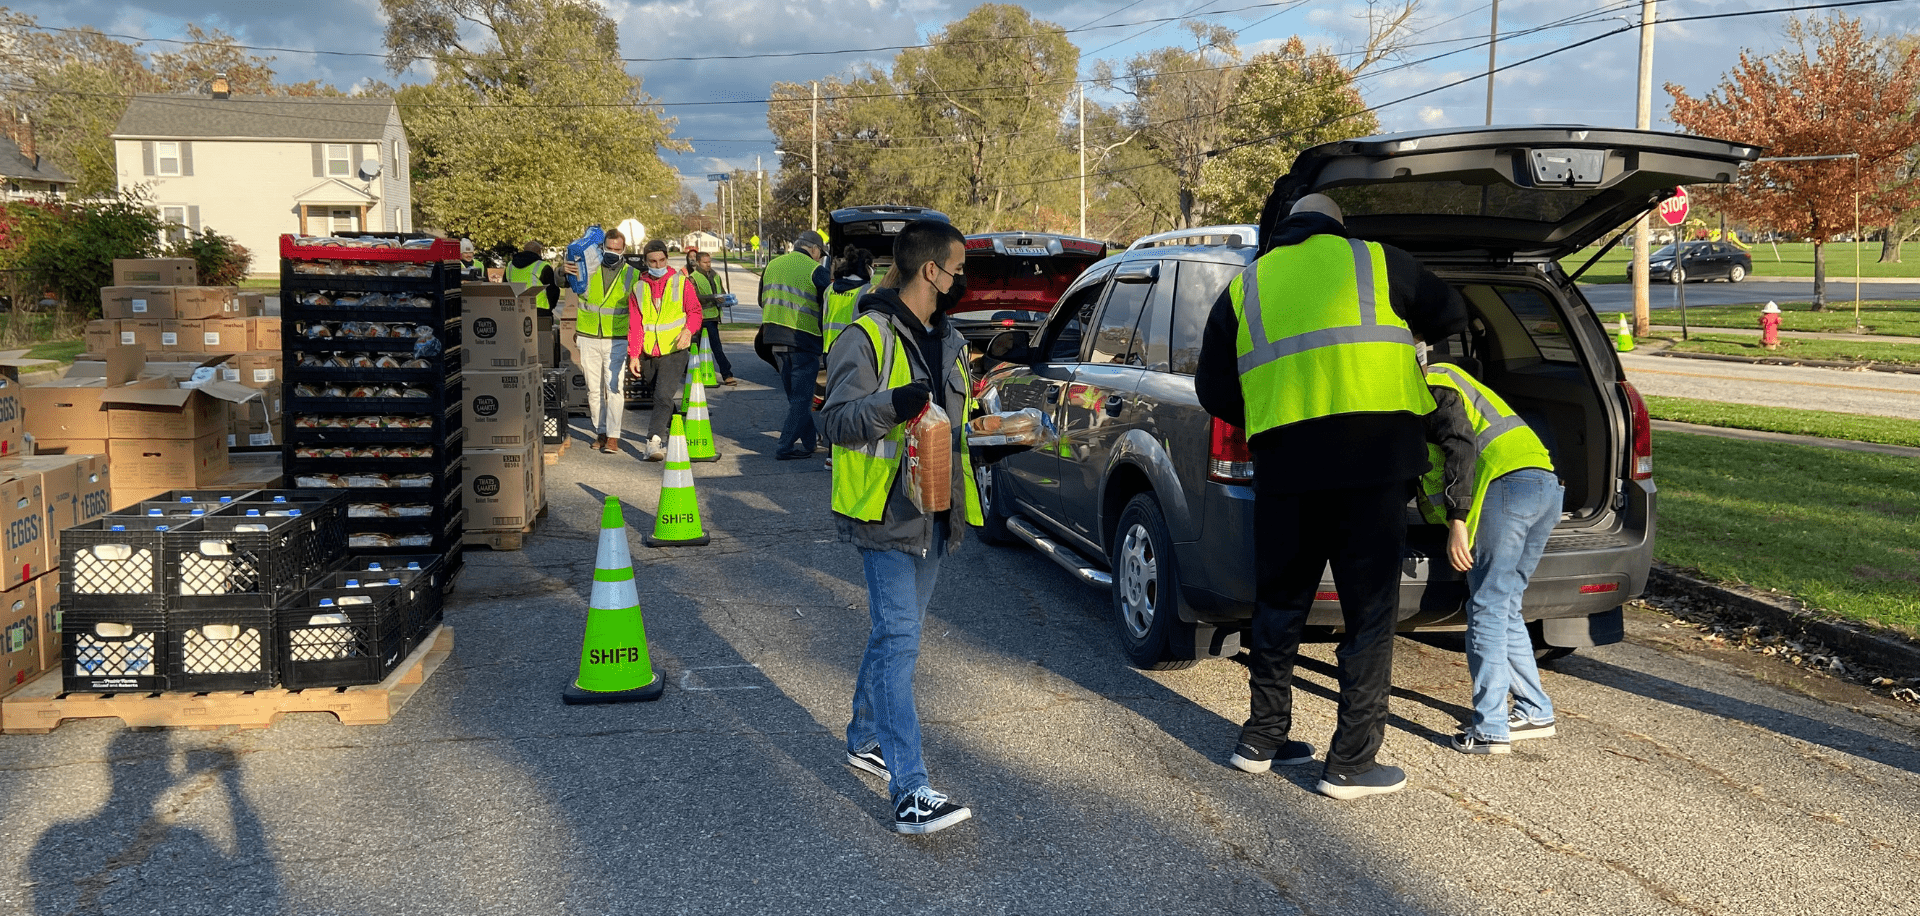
{"x":1348,"y":786}
{"x":869,"y":761}
{"x":925,"y":811}
{"x":1520,"y":728}
{"x":1252,"y":759}
{"x":1471,"y":741}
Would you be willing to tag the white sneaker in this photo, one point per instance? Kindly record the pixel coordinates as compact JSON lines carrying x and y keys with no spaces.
{"x":656,"y":451}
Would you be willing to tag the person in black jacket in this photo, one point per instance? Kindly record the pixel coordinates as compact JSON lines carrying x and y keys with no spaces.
{"x":1328,"y":490}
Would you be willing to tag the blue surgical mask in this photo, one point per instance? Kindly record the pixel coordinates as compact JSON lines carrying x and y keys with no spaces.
{"x":656,"y":272}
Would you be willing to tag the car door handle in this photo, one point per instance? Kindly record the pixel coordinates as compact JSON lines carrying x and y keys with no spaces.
{"x":1053,"y":394}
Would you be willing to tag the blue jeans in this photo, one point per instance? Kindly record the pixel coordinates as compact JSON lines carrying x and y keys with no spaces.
{"x":899,"y":587}
{"x":799,"y":370}
{"x":1516,"y":515}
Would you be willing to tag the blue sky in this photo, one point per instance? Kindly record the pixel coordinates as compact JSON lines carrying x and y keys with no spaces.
{"x":1593,"y":84}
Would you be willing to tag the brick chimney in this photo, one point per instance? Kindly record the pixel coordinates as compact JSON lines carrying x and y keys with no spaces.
{"x":28,"y":149}
{"x":220,"y":87}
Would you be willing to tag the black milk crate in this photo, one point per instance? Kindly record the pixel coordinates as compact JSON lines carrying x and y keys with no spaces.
{"x":441,"y":396}
{"x":553,"y":383}
{"x":553,"y":426}
{"x":185,"y":510}
{"x":437,"y":278}
{"x":419,"y":589}
{"x":432,"y":569}
{"x":182,"y":496}
{"x":364,"y":539}
{"x":320,"y":330}
{"x":336,"y":636}
{"x":114,"y":647}
{"x":239,"y":563}
{"x":221,"y":648}
{"x":440,"y":488}
{"x":113,"y":559}
{"x":437,"y":428}
{"x":431,"y":377}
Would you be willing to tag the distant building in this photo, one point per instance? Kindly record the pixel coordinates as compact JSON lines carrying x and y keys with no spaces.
{"x":700,"y":241}
{"x":24,"y":176}
{"x":253,"y":167}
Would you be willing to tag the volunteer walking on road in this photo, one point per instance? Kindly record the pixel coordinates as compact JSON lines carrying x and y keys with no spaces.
{"x":898,"y":357}
{"x":666,"y":315}
{"x":712,"y":286}
{"x":600,"y":336}
{"x":1495,"y":535}
{"x":1311,"y":351}
{"x":790,"y":325}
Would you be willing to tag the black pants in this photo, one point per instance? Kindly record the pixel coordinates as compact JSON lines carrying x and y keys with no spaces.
{"x":711,"y":328}
{"x":668,"y":375}
{"x":1361,"y":532}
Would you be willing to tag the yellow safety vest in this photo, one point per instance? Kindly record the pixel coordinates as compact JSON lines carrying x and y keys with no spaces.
{"x":603,"y":309}
{"x":839,"y":312}
{"x":1505,"y":442}
{"x":529,"y":275}
{"x":863,"y":477}
{"x":1333,"y":345}
{"x":706,"y":287}
{"x":661,"y":320}
{"x":788,"y":296}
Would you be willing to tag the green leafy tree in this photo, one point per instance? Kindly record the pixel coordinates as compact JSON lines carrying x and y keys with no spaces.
{"x":218,"y":259}
{"x":70,"y":248}
{"x":1177,"y":102}
{"x":1284,"y":101}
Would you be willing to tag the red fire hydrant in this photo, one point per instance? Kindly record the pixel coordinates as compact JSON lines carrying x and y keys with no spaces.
{"x":1770,"y":326}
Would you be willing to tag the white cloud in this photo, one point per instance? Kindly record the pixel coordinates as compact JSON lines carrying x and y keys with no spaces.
{"x":1433,"y":117}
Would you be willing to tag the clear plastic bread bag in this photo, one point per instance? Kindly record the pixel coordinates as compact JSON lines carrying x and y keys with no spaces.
{"x":929,"y":460}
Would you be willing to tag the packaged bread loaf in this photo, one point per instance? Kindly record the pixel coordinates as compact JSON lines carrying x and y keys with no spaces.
{"x":929,"y":460}
{"x":1020,"y":427}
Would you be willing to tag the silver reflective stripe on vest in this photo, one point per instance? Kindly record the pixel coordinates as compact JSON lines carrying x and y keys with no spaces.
{"x":883,"y":448}
{"x":1370,"y":330}
{"x":799,"y":294}
{"x":1498,"y":421}
{"x":663,"y":328}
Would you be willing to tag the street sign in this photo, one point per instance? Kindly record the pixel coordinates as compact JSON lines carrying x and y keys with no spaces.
{"x":719,"y":176}
{"x":1674,"y":209}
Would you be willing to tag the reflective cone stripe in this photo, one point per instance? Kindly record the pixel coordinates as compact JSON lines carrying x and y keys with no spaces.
{"x":677,"y":522}
{"x":615,"y":666}
{"x":700,"y":444}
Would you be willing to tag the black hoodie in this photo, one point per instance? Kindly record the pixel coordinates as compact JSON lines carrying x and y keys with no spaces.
{"x":1344,"y":450}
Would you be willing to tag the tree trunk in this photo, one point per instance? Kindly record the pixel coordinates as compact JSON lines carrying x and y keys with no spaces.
{"x":1819,"y":273}
{"x":1889,"y":246}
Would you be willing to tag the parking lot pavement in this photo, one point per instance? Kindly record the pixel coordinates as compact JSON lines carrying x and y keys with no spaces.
{"x":1687,"y":780}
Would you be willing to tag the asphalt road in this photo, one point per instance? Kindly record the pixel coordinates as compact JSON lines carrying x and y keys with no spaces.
{"x":1886,"y":394}
{"x":1688,"y":779}
{"x":1609,"y":298}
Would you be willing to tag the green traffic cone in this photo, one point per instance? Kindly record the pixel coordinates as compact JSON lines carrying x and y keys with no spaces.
{"x":700,"y":444}
{"x":1623,"y":338}
{"x":677,"y":522}
{"x":614,"y":664}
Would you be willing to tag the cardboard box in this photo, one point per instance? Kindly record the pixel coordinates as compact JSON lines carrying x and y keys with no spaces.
{"x":93,"y":485}
{"x":183,"y":302}
{"x":155,"y":272}
{"x":253,"y":302}
{"x":499,"y":488}
{"x":60,"y":492}
{"x":143,"y":468}
{"x":66,"y":409}
{"x":249,"y":426}
{"x":142,"y":333}
{"x":206,"y":302}
{"x":102,"y":334}
{"x":499,"y":334}
{"x":22,"y":634}
{"x":162,"y":413}
{"x":50,"y":621}
{"x":546,"y":339}
{"x":226,"y":335}
{"x":12,"y":414}
{"x":69,"y":446}
{"x":258,"y":369}
{"x":499,"y":407}
{"x":181,"y":335}
{"x":263,"y":334}
{"x":23,"y":518}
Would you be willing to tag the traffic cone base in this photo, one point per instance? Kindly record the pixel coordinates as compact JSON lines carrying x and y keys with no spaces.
{"x":615,"y":666}
{"x":677,"y":523}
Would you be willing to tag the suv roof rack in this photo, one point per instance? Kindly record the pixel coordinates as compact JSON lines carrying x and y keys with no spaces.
{"x":1231,"y":236}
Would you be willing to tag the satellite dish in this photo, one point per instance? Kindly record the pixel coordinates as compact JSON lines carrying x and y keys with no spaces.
{"x":369,"y":169}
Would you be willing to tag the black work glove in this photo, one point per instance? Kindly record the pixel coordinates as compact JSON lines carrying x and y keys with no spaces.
{"x":910,"y":399}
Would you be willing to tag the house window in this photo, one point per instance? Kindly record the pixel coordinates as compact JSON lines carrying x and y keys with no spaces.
{"x":166,"y":158}
{"x":176,"y":220}
{"x":345,"y":220}
{"x":339,"y":160}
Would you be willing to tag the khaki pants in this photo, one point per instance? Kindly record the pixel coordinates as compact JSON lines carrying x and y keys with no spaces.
{"x":603,"y":360}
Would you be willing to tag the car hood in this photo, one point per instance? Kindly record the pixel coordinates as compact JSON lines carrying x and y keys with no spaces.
{"x":1503,"y":192}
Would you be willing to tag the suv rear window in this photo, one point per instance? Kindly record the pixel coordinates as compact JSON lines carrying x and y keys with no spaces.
{"x":1454,"y":198}
{"x":1529,"y":325}
{"x":1200,"y":284}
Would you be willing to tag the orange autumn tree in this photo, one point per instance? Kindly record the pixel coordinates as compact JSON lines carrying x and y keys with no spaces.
{"x":1832,"y":90}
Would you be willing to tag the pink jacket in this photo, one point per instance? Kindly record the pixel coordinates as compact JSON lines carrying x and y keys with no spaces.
{"x":636,"y":325}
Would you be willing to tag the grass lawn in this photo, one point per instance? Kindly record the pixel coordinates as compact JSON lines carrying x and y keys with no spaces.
{"x":1843,"y":537}
{"x":61,"y":350}
{"x":1790,"y":348}
{"x":1795,"y":260}
{"x":1897,"y":318}
{"x":1823,"y":423}
{"x":260,"y":283}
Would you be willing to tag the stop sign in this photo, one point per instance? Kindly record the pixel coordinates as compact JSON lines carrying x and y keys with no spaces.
{"x":1674,"y":209}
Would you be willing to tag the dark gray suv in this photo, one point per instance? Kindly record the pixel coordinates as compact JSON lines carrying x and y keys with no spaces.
{"x":1149,"y":496}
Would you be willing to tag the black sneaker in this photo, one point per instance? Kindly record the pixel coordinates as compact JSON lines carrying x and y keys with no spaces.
{"x":1348,"y":786}
{"x":926,"y":811}
{"x":1472,"y":742}
{"x":1520,"y":728}
{"x":1260,"y":759}
{"x":870,"y":761}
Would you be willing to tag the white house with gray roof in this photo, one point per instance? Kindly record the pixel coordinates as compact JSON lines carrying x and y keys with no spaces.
{"x":253,"y":167}
{"x":24,"y":176}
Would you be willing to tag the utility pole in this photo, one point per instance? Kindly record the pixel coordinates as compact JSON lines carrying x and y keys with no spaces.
{"x":759,"y":205}
{"x":1493,"y":37}
{"x":1083,"y":160}
{"x":816,"y":155}
{"x":1643,"y":119}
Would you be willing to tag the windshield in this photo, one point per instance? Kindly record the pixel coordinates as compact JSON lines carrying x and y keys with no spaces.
{"x":1667,"y":252}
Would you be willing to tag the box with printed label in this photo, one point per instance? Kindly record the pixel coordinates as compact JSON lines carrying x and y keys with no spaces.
{"x":226,"y":335}
{"x":162,"y":413}
{"x":499,"y":488}
{"x":12,"y":416}
{"x":263,"y":334}
{"x":253,"y":302}
{"x":249,"y":426}
{"x":154,"y":302}
{"x":179,"y":335}
{"x":155,"y":272}
{"x":60,"y":492}
{"x":22,"y":633}
{"x":102,"y":334}
{"x":23,"y":518}
{"x":205,"y":302}
{"x":143,"y":333}
{"x":500,"y":323}
{"x":502,"y":406}
{"x":255,"y":369}
{"x":93,"y":485}
{"x":143,"y":468}
{"x":50,"y":620}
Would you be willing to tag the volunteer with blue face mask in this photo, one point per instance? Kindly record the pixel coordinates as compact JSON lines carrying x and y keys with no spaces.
{"x":665,"y":317}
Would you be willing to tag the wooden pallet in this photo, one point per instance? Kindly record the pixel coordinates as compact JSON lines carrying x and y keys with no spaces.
{"x":503,"y":538}
{"x":40,"y":706}
{"x":554,"y":453}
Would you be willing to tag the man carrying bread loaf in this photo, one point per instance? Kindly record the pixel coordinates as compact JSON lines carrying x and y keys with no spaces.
{"x":898,"y":357}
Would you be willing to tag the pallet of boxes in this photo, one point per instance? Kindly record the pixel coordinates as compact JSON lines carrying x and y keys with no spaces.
{"x":506,"y":410}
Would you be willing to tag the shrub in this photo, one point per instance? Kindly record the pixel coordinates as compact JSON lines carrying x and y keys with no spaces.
{"x":70,"y":249}
{"x":220,"y":261}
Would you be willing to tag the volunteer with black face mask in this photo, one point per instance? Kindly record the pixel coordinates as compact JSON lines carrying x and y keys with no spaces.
{"x":601,"y":338}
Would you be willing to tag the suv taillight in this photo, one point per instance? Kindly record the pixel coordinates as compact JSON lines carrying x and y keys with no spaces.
{"x":1228,"y":458}
{"x":1642,"y":467}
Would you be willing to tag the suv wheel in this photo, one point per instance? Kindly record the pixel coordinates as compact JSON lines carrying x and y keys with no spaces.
{"x":1737,"y":274}
{"x":993,"y":513}
{"x":1146,"y":590}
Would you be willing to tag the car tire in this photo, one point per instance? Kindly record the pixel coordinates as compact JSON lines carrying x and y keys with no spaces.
{"x":1677,"y":275}
{"x":993,"y":513}
{"x":1146,"y":590}
{"x":1736,"y":274}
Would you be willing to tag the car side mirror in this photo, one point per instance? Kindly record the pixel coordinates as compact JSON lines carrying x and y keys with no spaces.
{"x":1010,"y":347}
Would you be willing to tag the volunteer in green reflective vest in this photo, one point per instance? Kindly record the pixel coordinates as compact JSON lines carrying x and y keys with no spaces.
{"x":899,"y":356}
{"x":853,"y":278}
{"x":790,"y":326}
{"x":530,"y":267}
{"x":1499,"y":504}
{"x":712,"y":285}
{"x":1310,"y":351}
{"x":600,"y":337}
{"x":666,"y":316}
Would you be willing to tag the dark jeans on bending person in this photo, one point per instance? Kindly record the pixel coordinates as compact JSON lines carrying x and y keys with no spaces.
{"x":1361,"y":532}
{"x":668,"y":375}
{"x":799,"y":372}
{"x":711,"y":328}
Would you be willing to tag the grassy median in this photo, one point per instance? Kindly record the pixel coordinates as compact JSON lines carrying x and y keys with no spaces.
{"x":1795,"y":348}
{"x":1839,"y":530}
{"x":1898,"y":318}
{"x":1823,"y":423}
{"x":1794,"y":259}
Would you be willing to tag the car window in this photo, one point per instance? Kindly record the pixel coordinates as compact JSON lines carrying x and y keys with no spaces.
{"x":1113,"y":341}
{"x":1201,"y":282}
{"x":1156,"y":320}
{"x":1060,"y":339}
{"x":1524,"y":321}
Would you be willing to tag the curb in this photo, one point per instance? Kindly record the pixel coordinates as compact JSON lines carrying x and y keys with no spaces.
{"x":1783,"y":361}
{"x":1761,"y":435}
{"x":1889,"y":654}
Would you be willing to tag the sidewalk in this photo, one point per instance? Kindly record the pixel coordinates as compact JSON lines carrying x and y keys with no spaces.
{"x":1754,"y":435}
{"x":1802,"y":335}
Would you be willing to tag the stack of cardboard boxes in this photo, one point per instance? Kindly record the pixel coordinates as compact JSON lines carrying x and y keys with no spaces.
{"x":40,"y":496}
{"x":504,"y":407}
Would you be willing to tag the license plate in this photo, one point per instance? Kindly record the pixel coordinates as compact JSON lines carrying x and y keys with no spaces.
{"x":1029,"y":252}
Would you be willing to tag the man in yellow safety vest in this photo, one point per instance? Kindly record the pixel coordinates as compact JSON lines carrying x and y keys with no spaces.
{"x":1311,"y":351}
{"x":666,"y":315}
{"x":790,"y":326}
{"x":852,"y":279}
{"x":898,"y":357}
{"x":712,"y":285}
{"x":600,"y":337}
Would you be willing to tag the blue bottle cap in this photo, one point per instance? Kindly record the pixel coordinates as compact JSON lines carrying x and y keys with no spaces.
{"x":279,"y":499}
{"x":252,"y":513}
{"x":154,"y":512}
{"x":186,"y":499}
{"x":393,"y":581}
{"x":373,"y":565}
{"x":118,"y":528}
{"x":326,"y":602}
{"x":292,"y":512}
{"x":413,"y":566}
{"x":226,"y":499}
{"x":353,"y":583}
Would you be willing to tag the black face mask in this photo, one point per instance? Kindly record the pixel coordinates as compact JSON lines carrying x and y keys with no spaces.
{"x":611,"y":259}
{"x":944,"y":302}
